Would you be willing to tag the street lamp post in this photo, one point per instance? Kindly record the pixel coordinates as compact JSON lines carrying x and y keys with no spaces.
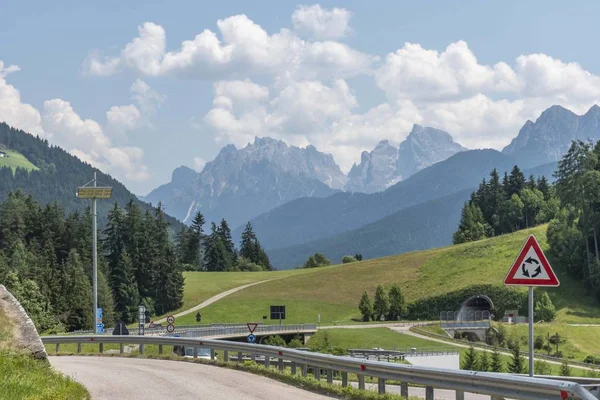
{"x":94,"y":192}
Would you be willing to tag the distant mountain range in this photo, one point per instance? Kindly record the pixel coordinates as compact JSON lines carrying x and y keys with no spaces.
{"x":386,"y":165}
{"x":240,"y":184}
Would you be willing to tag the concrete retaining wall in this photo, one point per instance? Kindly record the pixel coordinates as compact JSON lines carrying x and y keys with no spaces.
{"x":25,"y":336}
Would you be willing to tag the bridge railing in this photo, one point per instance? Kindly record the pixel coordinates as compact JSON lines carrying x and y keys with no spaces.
{"x":499,"y":386}
{"x":229,"y":331}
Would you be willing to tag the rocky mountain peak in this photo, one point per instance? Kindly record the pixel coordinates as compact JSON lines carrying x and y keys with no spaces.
{"x":550,"y":136}
{"x":386,"y":165}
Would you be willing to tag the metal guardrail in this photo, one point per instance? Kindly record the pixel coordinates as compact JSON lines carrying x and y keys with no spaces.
{"x":243,"y":330}
{"x":466,"y":324}
{"x":499,"y":386}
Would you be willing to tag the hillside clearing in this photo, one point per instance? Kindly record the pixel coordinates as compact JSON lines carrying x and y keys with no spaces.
{"x":334,"y":292}
{"x":15,"y":160}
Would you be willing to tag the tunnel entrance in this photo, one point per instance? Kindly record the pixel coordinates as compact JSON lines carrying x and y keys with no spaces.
{"x":475,"y":308}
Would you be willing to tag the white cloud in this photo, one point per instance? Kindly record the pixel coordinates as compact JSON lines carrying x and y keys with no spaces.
{"x":244,"y":48}
{"x":199,"y":164}
{"x":12,"y":111}
{"x":147,"y":98}
{"x":322,"y":23}
{"x":121,"y":119}
{"x":86,"y":139}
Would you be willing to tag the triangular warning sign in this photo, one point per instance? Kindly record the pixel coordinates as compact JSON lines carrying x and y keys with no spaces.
{"x":531,"y":268}
{"x":251,"y":326}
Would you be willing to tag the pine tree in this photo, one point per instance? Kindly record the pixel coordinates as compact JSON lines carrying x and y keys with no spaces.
{"x":216,"y":258}
{"x":397,"y":303}
{"x":247,"y":244}
{"x":496,"y":362}
{"x":471,"y":360}
{"x":565,"y":368}
{"x":225,"y":235}
{"x":366,"y":307}
{"x":516,"y":364}
{"x":516,"y":182}
{"x":381,"y":305}
{"x":484,"y":362}
{"x":125,"y":292}
{"x":78,"y":304}
{"x":472,"y":225}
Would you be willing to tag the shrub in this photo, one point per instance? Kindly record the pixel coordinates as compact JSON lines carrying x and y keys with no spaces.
{"x":366,"y":307}
{"x":592,"y":359}
{"x":538,"y":343}
{"x":565,"y":369}
{"x":544,"y":309}
{"x":295,"y":343}
{"x":542,"y":368}
{"x":348,"y":259}
{"x":275,"y":341}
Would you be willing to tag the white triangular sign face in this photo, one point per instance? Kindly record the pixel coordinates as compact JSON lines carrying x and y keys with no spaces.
{"x":531,"y":268}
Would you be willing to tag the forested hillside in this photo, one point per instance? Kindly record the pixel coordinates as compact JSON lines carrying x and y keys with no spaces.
{"x":58,"y":176}
{"x":45,"y":260}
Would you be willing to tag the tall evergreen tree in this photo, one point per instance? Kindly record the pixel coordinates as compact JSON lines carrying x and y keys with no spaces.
{"x":397,"y":303}
{"x":225,"y":235}
{"x":247,"y":245}
{"x":381,"y":305}
{"x":516,"y":182}
{"x":516,"y":365}
{"x":471,"y":360}
{"x":125,"y":292}
{"x":366,"y":307}
{"x":496,"y":362}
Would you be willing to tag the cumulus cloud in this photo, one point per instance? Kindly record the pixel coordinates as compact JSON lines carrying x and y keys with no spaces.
{"x":86,"y":139}
{"x":321,"y":23}
{"x":244,"y":47}
{"x":12,"y":110}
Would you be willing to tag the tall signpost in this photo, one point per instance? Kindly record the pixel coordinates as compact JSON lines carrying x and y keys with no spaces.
{"x":531,"y":268}
{"x":94,"y":192}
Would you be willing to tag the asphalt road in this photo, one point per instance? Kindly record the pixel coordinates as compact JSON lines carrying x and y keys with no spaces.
{"x":144,"y":379}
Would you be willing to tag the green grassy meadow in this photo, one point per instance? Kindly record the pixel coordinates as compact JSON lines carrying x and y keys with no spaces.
{"x":16,"y":160}
{"x":333,"y":292}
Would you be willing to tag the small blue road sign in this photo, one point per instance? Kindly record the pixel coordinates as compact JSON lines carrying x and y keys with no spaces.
{"x":100,"y":328}
{"x":251,"y":338}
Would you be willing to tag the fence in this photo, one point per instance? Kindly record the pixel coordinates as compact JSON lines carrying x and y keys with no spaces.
{"x":229,"y":331}
{"x":499,"y":386}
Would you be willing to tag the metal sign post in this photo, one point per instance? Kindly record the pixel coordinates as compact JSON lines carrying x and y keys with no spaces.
{"x":531,"y":268}
{"x":141,"y":319}
{"x":93,"y":192}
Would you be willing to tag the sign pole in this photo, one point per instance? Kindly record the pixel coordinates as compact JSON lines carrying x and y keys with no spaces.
{"x":95,"y":259}
{"x":531,"y":365}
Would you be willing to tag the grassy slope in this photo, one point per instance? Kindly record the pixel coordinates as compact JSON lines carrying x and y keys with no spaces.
{"x":15,"y":160}
{"x":368,"y":338}
{"x":22,"y":377}
{"x":334,"y":292}
{"x":202,"y":286}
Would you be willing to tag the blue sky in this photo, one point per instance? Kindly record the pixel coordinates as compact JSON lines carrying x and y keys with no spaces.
{"x":326,"y":81}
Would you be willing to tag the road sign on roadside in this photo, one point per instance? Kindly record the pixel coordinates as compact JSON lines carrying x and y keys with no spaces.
{"x":251,"y":338}
{"x":100,"y":328}
{"x":531,"y":268}
{"x":251,"y":326}
{"x":170,"y":328}
{"x":170,"y":319}
{"x":198,"y":317}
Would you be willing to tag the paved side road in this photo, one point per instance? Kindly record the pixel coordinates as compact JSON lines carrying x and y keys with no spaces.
{"x":108,"y":378}
{"x":213,"y":299}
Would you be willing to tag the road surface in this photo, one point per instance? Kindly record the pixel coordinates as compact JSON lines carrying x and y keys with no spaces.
{"x":108,"y":378}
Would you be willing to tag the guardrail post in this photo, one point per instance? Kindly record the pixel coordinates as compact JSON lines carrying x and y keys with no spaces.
{"x":381,"y":385}
{"x":121,"y":348}
{"x":361,"y":382}
{"x":141,"y":349}
{"x":253,"y":356}
{"x":101,"y":348}
{"x":305,"y":370}
{"x":225,"y":355}
{"x":293,"y":367}
{"x":160,"y":349}
{"x":404,"y":389}
{"x":344,"y":379}
{"x":317,"y":372}
{"x":212,"y":354}
{"x":239,"y":356}
{"x":429,"y":393}
{"x":281,"y":364}
{"x":195,"y":352}
{"x":460,"y":395}
{"x":329,"y":376}
{"x":78,"y":348}
{"x":267,"y":361}
{"x":57,"y":347}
